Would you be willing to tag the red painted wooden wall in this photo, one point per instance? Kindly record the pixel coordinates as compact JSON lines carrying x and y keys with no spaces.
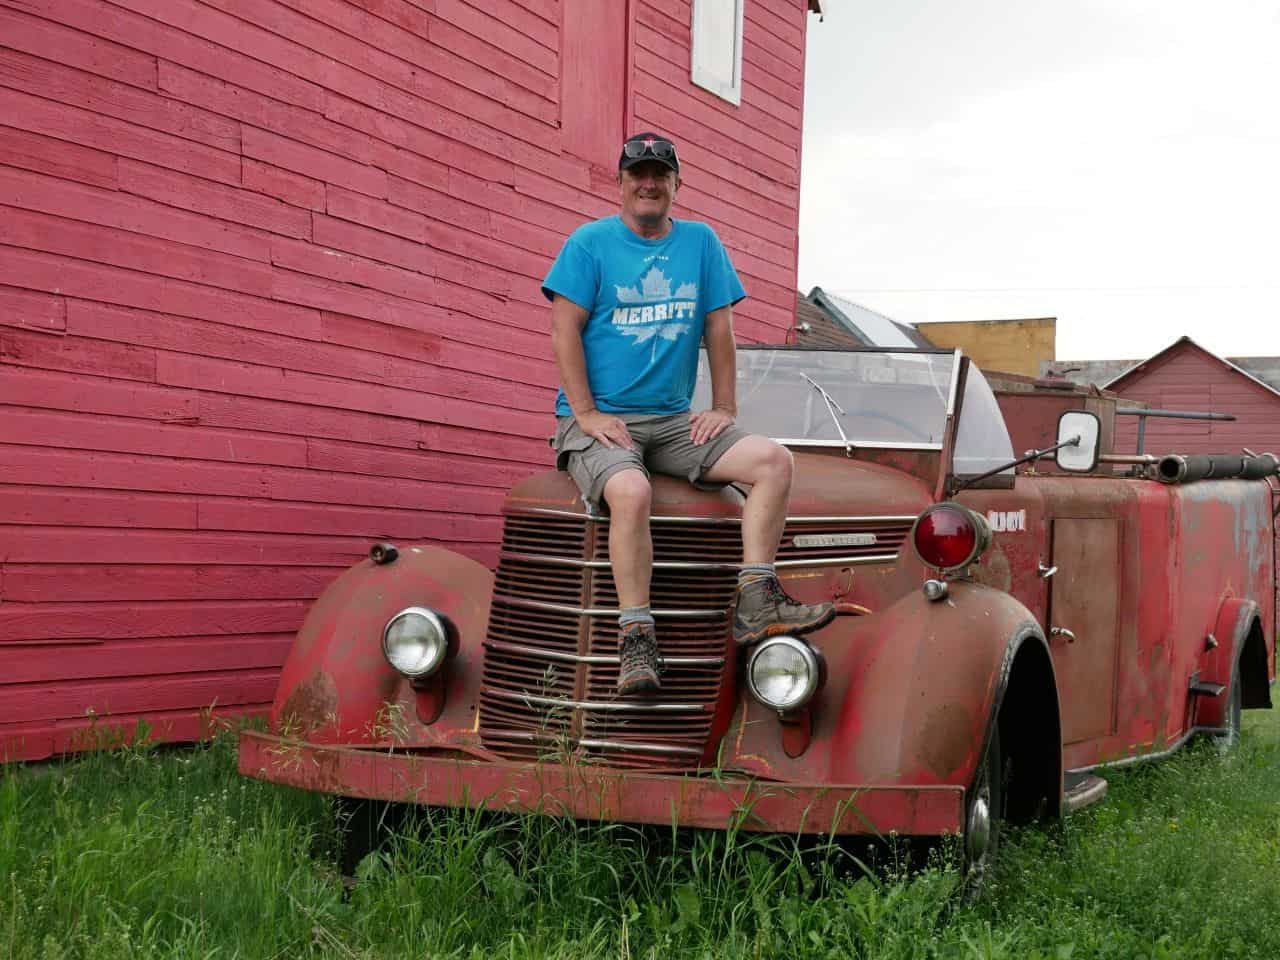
{"x":269,"y":292}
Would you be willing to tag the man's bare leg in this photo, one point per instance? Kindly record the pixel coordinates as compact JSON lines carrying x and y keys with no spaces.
{"x":631,"y":554}
{"x":768,"y":467}
{"x":630,"y":545}
{"x":763,"y":608}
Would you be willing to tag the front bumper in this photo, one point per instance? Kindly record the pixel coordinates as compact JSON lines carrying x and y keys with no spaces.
{"x":588,"y":792}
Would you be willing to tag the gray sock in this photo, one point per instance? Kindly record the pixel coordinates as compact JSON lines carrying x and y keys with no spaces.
{"x":630,"y":615}
{"x":751,"y":572}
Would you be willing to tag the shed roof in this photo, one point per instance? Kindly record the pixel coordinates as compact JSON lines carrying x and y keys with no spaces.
{"x":872,"y":329}
{"x":1264,"y":369}
{"x":1086,"y":371}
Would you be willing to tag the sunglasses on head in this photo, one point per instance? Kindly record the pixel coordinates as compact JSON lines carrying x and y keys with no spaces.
{"x":662,"y":149}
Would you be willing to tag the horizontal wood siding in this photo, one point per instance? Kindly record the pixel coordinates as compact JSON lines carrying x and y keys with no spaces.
{"x":269,"y":292}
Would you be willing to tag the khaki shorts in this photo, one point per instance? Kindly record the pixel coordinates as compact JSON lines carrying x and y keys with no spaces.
{"x":662,"y":445}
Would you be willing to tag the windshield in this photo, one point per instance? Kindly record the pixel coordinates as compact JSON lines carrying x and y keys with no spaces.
{"x":813,"y":396}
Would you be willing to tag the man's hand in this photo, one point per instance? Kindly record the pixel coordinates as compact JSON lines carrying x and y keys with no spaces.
{"x":708,"y":425}
{"x":606,"y":428}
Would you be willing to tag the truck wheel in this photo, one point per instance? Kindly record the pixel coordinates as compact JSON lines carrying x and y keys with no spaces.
{"x":364,"y":826}
{"x":984,"y":813}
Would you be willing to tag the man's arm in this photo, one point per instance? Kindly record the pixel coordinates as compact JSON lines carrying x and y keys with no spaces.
{"x":567,"y":321}
{"x":723,"y":361}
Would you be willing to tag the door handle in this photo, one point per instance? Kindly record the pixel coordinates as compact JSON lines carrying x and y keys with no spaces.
{"x":1046,"y":571}
{"x":1062,"y":632}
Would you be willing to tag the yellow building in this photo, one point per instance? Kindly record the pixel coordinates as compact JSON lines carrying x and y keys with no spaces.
{"x":1011,"y":346}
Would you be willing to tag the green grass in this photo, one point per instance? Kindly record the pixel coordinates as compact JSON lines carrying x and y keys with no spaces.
{"x":143,"y":852}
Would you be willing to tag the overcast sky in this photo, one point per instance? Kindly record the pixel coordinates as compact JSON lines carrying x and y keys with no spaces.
{"x":1111,"y":163}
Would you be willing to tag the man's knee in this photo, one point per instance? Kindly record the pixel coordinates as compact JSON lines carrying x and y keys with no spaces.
{"x":628,"y":493}
{"x":770,"y":462}
{"x":754,"y":459}
{"x":778,"y":460}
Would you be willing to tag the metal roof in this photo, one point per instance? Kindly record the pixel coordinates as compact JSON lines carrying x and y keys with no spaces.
{"x":1086,"y":371}
{"x":874,"y":329}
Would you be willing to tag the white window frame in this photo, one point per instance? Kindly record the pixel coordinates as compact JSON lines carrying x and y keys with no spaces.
{"x":727,"y":88}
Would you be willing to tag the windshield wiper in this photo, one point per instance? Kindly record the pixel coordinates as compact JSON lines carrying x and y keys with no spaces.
{"x":832,"y":407}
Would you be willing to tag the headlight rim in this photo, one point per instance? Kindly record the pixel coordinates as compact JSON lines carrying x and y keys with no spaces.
{"x":444,"y":631}
{"x":813,"y":660}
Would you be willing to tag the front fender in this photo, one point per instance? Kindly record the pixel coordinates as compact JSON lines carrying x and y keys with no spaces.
{"x":912,"y":695}
{"x":337,"y":687}
{"x":924,"y":686}
{"x":923,"y":697}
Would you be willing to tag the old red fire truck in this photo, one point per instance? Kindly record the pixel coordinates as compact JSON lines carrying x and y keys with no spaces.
{"x":1007,"y":628}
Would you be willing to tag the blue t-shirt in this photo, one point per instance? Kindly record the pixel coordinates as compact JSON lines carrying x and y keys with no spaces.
{"x":647,"y":302}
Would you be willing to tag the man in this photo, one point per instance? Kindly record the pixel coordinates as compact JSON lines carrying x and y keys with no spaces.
{"x":633,"y":296}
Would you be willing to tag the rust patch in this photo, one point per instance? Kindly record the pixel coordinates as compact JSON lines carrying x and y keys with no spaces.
{"x":946,"y":739}
{"x":995,"y":571}
{"x":312,"y":704}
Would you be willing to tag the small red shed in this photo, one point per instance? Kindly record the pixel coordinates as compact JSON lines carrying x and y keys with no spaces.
{"x":269,"y":278}
{"x":1185,"y":376}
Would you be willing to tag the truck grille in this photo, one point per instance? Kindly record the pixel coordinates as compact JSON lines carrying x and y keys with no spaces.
{"x":551,"y":658}
{"x":551,"y":663}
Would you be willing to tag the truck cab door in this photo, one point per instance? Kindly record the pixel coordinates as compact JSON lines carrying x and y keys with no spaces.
{"x":1083,"y":620}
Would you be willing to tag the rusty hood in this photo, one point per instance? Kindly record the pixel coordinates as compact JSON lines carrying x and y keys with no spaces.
{"x":824,"y":485}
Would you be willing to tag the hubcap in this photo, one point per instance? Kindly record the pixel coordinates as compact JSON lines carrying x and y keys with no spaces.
{"x":978,"y":839}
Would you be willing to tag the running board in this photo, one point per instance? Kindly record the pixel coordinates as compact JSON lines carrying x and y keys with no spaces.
{"x":1081,"y":790}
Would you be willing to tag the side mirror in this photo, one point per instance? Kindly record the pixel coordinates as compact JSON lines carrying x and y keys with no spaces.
{"x":1084,"y":427}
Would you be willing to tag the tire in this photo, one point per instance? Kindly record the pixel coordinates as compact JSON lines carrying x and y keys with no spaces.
{"x":983,"y":819}
{"x":364,"y":827}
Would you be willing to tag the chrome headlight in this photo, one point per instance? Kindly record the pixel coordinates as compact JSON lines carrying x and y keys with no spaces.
{"x":416,"y":641}
{"x":783,"y":673}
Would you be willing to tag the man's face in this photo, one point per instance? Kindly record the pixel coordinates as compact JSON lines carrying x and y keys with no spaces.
{"x":648,"y":189}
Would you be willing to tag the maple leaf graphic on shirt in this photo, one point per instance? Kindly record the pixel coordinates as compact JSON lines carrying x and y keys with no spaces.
{"x":654,"y":287}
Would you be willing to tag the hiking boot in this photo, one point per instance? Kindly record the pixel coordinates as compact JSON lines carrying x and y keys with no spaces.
{"x":638,"y":662}
{"x":764,"y":609}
